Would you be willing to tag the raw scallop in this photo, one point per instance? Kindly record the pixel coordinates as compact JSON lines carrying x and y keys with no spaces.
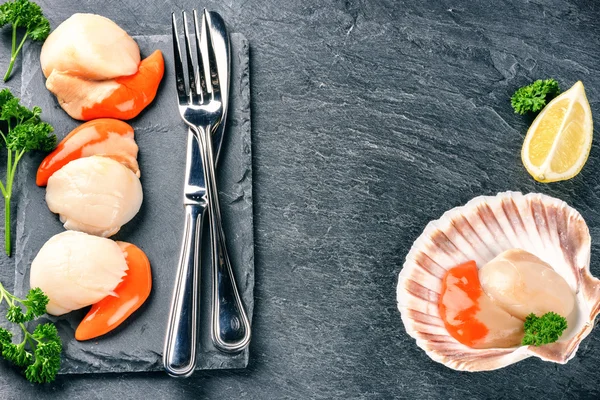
{"x":121,"y":98}
{"x":470,"y":316}
{"x":480,"y":230}
{"x":106,"y":137}
{"x":90,"y":46}
{"x":96,"y":195}
{"x":521,"y":283}
{"x":75,"y":270}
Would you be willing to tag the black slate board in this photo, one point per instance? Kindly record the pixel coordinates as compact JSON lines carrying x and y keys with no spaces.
{"x":137,"y":345}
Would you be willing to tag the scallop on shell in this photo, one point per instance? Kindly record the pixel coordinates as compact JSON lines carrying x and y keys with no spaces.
{"x":480,"y":230}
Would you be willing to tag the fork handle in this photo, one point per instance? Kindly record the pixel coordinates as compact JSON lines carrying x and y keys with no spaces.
{"x":230,"y":325}
{"x":179,"y":357}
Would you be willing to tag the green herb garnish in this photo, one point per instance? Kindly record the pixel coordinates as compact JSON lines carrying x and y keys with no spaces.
{"x":23,"y":14}
{"x":22,"y":131}
{"x":39,"y":352}
{"x":543,"y":330}
{"x":532,"y":98}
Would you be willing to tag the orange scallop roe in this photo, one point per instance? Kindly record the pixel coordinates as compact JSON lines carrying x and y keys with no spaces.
{"x":134,"y":93}
{"x":459,"y":304}
{"x":85,"y":136}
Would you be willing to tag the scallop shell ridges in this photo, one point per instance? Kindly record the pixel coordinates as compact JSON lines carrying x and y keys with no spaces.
{"x":480,"y":230}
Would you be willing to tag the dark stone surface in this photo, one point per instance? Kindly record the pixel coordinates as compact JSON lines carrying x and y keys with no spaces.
{"x":162,"y":138}
{"x":369,"y":119}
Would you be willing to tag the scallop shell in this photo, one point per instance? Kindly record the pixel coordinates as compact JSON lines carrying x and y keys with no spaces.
{"x":480,"y":230}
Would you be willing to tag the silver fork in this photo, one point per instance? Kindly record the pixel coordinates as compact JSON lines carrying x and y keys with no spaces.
{"x":201,"y":112}
{"x":201,"y":109}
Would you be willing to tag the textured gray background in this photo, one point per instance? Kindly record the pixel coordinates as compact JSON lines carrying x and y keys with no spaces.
{"x":371,"y":118}
{"x":162,"y":138}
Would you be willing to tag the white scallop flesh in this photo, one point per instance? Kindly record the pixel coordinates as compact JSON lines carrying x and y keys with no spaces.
{"x":96,"y":195}
{"x":74,"y":94}
{"x":76,"y":270}
{"x":504,"y":330}
{"x":92,"y":47}
{"x":521,"y":283}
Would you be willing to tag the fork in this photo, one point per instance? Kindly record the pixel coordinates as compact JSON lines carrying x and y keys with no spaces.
{"x":201,"y":108}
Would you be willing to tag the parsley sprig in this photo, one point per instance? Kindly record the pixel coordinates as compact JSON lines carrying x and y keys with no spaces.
{"x":23,"y":14}
{"x":543,"y":330}
{"x":22,"y":130}
{"x":532,"y":98}
{"x":39,"y":352}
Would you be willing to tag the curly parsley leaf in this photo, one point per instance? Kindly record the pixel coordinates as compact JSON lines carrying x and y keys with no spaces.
{"x":30,"y":136}
{"x":5,"y":338}
{"x":543,"y":330}
{"x":36,"y":302}
{"x":16,"y":354}
{"x":532,"y":98}
{"x":15,"y":315}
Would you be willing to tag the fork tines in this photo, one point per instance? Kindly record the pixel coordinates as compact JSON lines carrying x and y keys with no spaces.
{"x":203,"y":78}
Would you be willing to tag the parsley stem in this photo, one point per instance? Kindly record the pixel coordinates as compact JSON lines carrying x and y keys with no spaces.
{"x":7,"y":225}
{"x":28,"y":337}
{"x":7,"y":196}
{"x":2,"y":188}
{"x":11,"y":168}
{"x":15,"y":52}
{"x":14,"y":37}
{"x":3,"y":293}
{"x":10,"y":299}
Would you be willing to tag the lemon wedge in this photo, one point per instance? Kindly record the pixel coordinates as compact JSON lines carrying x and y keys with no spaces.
{"x":558,"y":141}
